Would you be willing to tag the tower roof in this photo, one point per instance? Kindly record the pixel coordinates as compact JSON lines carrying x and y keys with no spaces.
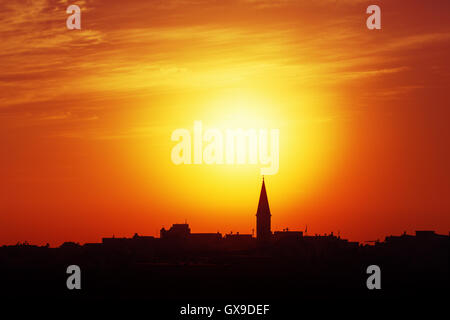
{"x":263,"y":205}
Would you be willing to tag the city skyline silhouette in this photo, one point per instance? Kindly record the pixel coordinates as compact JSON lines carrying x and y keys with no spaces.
{"x":263,"y":229}
{"x":183,"y":267}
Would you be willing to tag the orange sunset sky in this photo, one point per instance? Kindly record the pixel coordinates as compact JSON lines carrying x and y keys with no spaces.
{"x":86,"y":116}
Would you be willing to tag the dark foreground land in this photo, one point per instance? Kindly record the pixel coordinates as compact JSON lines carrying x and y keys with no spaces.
{"x":288,"y":276}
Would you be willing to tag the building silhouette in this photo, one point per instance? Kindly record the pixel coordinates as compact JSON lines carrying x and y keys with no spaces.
{"x":177,"y":231}
{"x":263,"y":231}
{"x":184,"y":265}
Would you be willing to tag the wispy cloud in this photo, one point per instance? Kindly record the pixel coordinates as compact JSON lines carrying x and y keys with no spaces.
{"x":124,"y":55}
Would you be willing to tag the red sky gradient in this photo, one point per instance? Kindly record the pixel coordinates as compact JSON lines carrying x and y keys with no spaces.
{"x":86,"y":116}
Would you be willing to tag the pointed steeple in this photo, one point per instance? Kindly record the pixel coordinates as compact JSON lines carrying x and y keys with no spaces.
{"x":263,"y":215}
{"x":263,"y":205}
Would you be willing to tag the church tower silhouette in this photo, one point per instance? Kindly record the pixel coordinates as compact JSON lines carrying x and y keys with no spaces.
{"x":263,"y":216}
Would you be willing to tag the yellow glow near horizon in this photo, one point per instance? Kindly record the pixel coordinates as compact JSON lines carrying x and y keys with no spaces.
{"x":308,"y":144}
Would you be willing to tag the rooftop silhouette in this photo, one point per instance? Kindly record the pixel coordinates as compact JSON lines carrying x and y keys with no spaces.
{"x":212,"y":264}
